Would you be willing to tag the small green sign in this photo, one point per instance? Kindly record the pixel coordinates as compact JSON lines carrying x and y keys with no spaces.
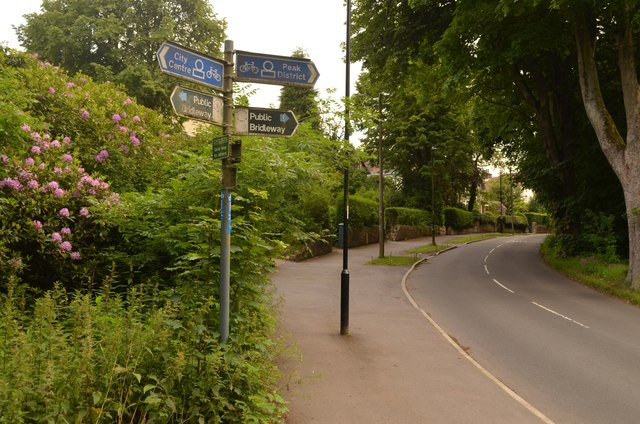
{"x":221,"y":147}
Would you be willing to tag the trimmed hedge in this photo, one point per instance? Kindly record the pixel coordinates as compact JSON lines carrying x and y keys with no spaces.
{"x":458,"y":219}
{"x":407,"y":216}
{"x":520,"y":222}
{"x":538,"y":218}
{"x":363,"y":212}
{"x":488,"y":218}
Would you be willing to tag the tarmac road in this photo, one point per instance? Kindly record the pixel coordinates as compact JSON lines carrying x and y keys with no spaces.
{"x":570,"y":351}
{"x":394,"y":367}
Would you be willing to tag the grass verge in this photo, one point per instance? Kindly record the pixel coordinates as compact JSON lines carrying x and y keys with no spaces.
{"x":592,"y":271}
{"x":394,"y":260}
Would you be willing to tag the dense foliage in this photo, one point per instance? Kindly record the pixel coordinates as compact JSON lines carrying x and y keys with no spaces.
{"x":109,"y":244}
{"x":458,"y":81}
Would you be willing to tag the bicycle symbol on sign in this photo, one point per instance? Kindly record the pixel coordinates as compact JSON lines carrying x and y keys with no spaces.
{"x":213,"y":73}
{"x":249,"y":66}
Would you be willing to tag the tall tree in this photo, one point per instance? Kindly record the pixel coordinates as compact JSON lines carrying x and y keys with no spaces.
{"x":616,"y":21}
{"x":425,"y":130}
{"x":116,"y":41}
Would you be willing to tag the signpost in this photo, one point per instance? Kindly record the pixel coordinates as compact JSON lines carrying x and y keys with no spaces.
{"x":279,"y":70}
{"x":197,"y":105}
{"x":190,"y":65}
{"x":270,"y":122}
{"x":217,"y":74}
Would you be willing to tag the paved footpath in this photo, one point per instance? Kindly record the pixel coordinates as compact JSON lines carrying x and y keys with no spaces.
{"x":393,"y":367}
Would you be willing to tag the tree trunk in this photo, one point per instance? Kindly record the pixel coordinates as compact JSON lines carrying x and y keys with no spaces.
{"x":622,"y":154}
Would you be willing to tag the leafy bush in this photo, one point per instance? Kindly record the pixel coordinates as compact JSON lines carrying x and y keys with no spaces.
{"x":520,"y":222}
{"x":407,"y":216}
{"x":129,"y":331}
{"x":538,"y":218}
{"x":362,"y":212}
{"x":488,"y":218}
{"x":114,"y":136}
{"x":50,"y":216}
{"x":458,"y":218}
{"x":146,"y":357}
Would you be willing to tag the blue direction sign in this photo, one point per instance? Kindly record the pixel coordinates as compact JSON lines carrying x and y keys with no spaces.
{"x":279,"y":70}
{"x":197,"y":105}
{"x":269,"y":122}
{"x":188,"y":64}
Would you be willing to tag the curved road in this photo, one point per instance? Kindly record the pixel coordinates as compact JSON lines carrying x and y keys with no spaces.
{"x":571,"y":352}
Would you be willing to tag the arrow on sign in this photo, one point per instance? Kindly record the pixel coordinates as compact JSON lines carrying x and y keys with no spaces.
{"x":259,"y":121}
{"x":191,"y":65}
{"x":278,"y":70}
{"x":197,"y":105}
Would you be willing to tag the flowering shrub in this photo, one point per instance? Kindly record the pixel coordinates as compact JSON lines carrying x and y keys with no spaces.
{"x":48,"y":198}
{"x":113,"y":135}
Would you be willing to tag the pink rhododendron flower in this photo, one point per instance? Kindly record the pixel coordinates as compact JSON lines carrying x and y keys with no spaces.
{"x":57,"y":170}
{"x":11,"y":183}
{"x":84,"y":212}
{"x":55,"y":143}
{"x":127,"y":101}
{"x":136,"y":119}
{"x":35,"y":150}
{"x":57,"y":237}
{"x":102,"y":156}
{"x":29,"y":162}
{"x":134,"y":140}
{"x":70,"y":85}
{"x":66,"y":140}
{"x":4,"y":159}
{"x":67,"y":158}
{"x":85,"y":114}
{"x":65,"y":246}
{"x":75,"y":256}
{"x":58,"y":192}
{"x":33,"y":184}
{"x":41,"y":165}
{"x":65,"y":230}
{"x":26,"y":128}
{"x":123,"y":148}
{"x":37,"y":224}
{"x":64,"y":212}
{"x":116,"y":117}
{"x":52,"y":90}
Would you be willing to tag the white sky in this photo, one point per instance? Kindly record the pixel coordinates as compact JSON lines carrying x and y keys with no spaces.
{"x":271,"y":27}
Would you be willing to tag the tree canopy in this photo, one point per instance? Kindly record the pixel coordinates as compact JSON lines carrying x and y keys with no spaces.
{"x":117,"y":40}
{"x":514,"y":76}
